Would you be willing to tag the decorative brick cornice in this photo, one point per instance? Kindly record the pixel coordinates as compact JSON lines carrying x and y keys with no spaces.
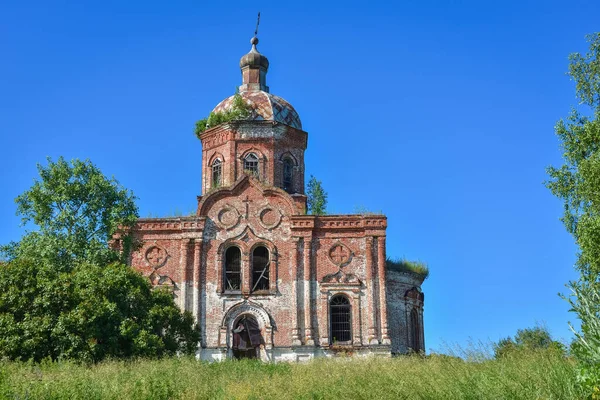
{"x":302,"y":222}
{"x":351,"y":222}
{"x":374,"y":224}
{"x":184,"y":224}
{"x":234,"y":130}
{"x":216,"y":136}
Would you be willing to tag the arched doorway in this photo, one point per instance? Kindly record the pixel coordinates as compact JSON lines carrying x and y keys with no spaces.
{"x":340,"y":328}
{"x":415,"y":331}
{"x":247,"y":338}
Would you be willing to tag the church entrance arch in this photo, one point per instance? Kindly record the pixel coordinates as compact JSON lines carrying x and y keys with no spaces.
{"x":254,"y":333}
{"x":247,"y":338}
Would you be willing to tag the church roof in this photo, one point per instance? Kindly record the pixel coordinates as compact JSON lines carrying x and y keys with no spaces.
{"x":255,"y":92}
{"x":266,"y":107}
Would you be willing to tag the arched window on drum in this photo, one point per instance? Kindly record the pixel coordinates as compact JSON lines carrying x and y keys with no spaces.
{"x":217,"y":173}
{"x":288,"y":175}
{"x":251,"y":164}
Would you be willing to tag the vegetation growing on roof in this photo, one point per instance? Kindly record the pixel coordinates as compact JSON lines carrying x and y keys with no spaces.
{"x":363,"y":210}
{"x":239,"y":110}
{"x":402,"y":265}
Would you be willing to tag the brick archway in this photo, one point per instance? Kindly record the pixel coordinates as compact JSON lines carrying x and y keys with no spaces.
{"x":255,"y":311}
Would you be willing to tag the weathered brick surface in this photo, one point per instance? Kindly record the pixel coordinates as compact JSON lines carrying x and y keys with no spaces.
{"x":312,"y":258}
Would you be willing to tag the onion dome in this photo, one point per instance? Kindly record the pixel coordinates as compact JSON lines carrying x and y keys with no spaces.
{"x":255,"y":92}
{"x":265,"y":107}
{"x":254,"y":58}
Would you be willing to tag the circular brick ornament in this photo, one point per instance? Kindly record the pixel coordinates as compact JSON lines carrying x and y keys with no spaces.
{"x":228,"y":217}
{"x":340,"y":254}
{"x":156,"y":256}
{"x":269,"y":217}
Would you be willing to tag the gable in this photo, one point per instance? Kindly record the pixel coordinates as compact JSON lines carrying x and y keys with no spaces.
{"x":247,"y":204}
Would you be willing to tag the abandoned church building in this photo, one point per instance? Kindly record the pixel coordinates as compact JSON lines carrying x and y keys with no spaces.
{"x":262,"y":278}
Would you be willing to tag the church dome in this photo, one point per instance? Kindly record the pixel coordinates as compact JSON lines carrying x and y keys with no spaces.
{"x":255,"y":92}
{"x":254,"y":58}
{"x":265,"y":107}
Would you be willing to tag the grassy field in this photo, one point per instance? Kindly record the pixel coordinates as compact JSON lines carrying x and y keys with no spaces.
{"x":527,"y":375}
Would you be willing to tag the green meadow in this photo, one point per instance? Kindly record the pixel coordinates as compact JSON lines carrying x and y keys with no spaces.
{"x":541,"y":374}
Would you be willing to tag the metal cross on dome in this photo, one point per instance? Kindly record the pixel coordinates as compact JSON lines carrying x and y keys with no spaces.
{"x":257,"y":22}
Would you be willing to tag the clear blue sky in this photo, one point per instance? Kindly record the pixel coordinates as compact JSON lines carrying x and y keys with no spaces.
{"x":440,"y":114}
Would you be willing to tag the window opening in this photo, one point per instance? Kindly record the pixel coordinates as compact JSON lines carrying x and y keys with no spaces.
{"x":339,"y":312}
{"x":233,"y":271}
{"x":251,"y":164}
{"x":217,"y":172}
{"x":416,"y":334}
{"x":260,"y":269}
{"x":288,"y":174}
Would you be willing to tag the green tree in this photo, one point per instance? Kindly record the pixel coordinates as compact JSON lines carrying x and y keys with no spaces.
{"x":90,"y":313}
{"x":576,"y":182}
{"x":78,"y":211}
{"x":316,"y":197}
{"x":63,"y":291}
{"x":528,"y":339}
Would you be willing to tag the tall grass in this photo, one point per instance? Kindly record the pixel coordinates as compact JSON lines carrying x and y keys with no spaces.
{"x":523,"y":375}
{"x":403,"y":265}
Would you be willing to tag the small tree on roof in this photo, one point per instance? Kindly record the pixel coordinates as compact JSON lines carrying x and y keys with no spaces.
{"x":317,"y":197}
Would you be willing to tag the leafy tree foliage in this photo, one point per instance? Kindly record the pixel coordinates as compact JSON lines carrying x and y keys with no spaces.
{"x":316,"y":197}
{"x":577,"y":182}
{"x":63,"y":291}
{"x":89,"y":313}
{"x":528,"y":339}
{"x":78,"y":211}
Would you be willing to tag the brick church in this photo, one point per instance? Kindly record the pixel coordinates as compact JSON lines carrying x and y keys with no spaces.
{"x":262,"y":278}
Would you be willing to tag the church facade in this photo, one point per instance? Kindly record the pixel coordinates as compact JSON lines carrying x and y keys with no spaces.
{"x":262,"y":278}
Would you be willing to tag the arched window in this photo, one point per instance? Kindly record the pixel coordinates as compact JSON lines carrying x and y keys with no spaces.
{"x":251,"y":164}
{"x":217,"y":172}
{"x":260,"y":269}
{"x":288,"y":175}
{"x":340,"y":320}
{"x":415,"y":330}
{"x":233,"y":270}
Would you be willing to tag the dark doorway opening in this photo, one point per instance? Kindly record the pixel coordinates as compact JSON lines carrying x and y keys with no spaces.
{"x":341,"y":320}
{"x":247,"y":338}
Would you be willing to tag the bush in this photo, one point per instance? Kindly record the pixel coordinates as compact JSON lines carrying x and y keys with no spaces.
{"x":89,"y":313}
{"x":585,"y":302}
{"x":240,"y":110}
{"x":63,"y":292}
{"x":528,"y":339}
